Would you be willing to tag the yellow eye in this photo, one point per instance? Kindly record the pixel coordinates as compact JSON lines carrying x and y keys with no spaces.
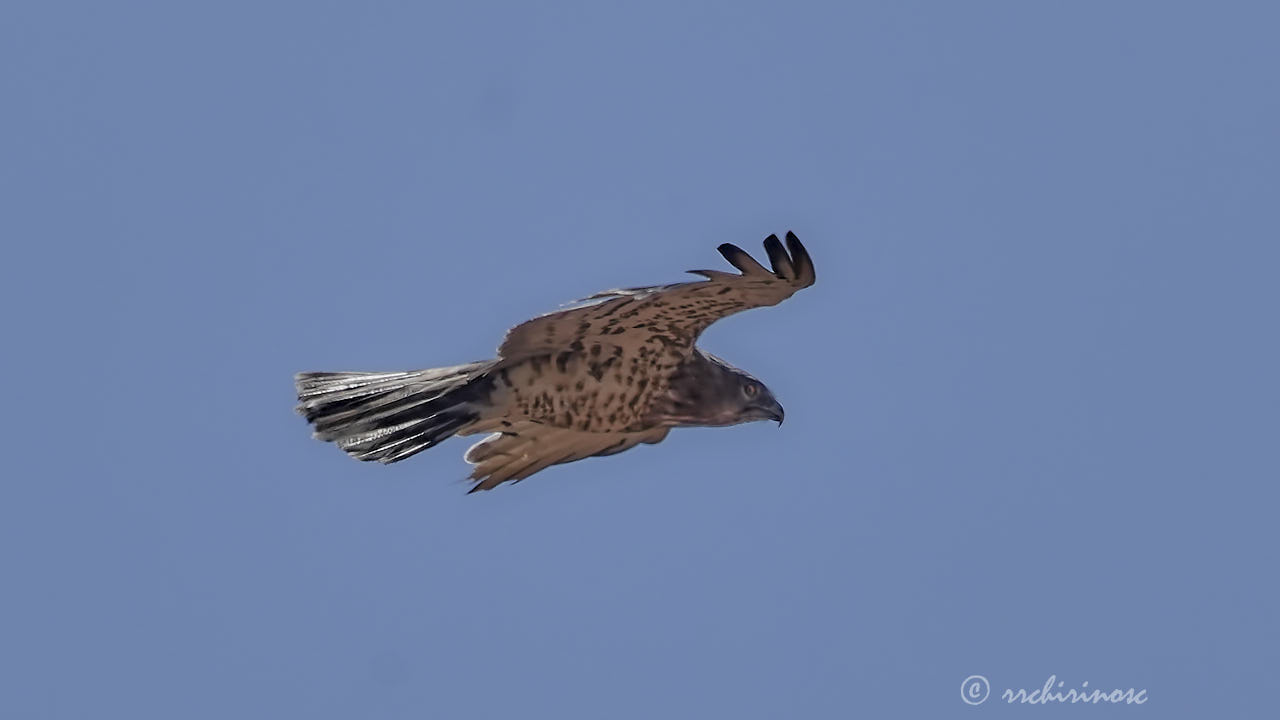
{"x":751,"y":390}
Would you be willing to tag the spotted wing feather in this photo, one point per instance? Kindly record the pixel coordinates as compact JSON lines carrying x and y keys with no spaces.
{"x":679,"y":312}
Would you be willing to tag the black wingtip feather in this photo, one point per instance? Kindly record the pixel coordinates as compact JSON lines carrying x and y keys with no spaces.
{"x":778,"y":258}
{"x":800,"y":260}
{"x":740,"y":259}
{"x":790,"y":263}
{"x":732,"y":253}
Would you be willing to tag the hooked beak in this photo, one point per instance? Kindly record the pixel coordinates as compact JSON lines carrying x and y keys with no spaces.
{"x":775,"y":412}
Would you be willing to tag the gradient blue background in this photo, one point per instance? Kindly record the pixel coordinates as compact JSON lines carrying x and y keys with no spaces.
{"x":1032,"y":400}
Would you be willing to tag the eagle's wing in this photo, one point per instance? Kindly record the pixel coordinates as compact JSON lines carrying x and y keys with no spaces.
{"x":677,"y":313}
{"x":525,"y":447}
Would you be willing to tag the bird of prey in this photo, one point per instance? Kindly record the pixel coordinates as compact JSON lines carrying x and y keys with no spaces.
{"x":596,"y":378}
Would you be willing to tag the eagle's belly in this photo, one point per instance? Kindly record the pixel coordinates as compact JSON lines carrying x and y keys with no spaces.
{"x":598,"y":389}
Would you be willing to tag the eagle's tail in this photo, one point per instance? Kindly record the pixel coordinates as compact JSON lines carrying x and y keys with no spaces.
{"x":388,"y":416}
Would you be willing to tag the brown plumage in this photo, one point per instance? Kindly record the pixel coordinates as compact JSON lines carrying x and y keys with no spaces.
{"x":601,"y":376}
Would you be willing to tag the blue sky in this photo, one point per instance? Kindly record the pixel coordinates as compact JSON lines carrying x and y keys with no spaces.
{"x":1031,"y":402}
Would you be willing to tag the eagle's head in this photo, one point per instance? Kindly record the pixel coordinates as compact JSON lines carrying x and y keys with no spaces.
{"x":707,"y":391}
